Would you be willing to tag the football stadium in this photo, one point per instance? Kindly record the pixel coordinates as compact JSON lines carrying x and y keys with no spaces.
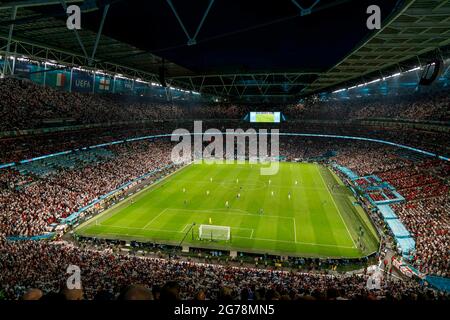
{"x":238,"y":151}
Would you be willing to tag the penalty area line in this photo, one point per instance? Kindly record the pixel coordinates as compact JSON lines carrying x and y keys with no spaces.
{"x":295,"y":231}
{"x":154,"y":218}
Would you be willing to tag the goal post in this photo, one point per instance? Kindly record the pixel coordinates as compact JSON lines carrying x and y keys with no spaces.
{"x":212,"y":232}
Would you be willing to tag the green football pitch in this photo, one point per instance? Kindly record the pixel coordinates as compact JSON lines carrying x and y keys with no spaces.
{"x":303,"y":210}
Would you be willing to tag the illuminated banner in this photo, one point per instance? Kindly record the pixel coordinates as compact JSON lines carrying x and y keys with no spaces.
{"x":25,"y":69}
{"x":124,"y":85}
{"x":141,"y":88}
{"x":104,"y":83}
{"x":22,"y":69}
{"x":38,"y":75}
{"x":82,"y":81}
{"x":59,"y":79}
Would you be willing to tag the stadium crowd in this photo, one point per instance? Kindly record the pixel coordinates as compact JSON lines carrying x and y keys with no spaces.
{"x":411,"y":106}
{"x":16,"y":148}
{"x":106,"y":274}
{"x":30,"y":203}
{"x":425,"y":213}
{"x":26,"y":105}
{"x":63,"y":120}
{"x":429,"y":222}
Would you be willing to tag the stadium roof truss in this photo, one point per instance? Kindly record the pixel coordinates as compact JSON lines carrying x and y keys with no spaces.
{"x":247,"y":85}
{"x":406,"y":40}
{"x":418,"y":29}
{"x":24,"y":31}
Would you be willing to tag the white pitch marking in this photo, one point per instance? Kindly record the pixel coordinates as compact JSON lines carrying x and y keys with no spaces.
{"x":155,"y":218}
{"x":295,"y":231}
{"x":149,"y":229}
{"x":229,"y":212}
{"x":339,"y":211}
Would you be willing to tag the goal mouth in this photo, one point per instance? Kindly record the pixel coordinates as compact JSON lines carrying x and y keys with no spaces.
{"x":214,"y":232}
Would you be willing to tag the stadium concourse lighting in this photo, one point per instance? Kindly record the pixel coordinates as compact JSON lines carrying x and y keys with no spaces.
{"x":413,"y":69}
{"x":379,"y":79}
{"x":55,"y":64}
{"x":183,"y":90}
{"x":47,"y":63}
{"x":82,"y":69}
{"x":103,"y":73}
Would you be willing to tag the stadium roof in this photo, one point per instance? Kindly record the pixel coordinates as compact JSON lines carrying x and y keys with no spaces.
{"x":242,"y":50}
{"x":420,"y":27}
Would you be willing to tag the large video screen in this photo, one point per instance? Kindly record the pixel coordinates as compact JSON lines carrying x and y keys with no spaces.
{"x":266,"y":117}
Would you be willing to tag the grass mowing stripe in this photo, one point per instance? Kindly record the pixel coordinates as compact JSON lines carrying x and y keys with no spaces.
{"x":295,"y":230}
{"x":335,"y":205}
{"x":108,"y":213}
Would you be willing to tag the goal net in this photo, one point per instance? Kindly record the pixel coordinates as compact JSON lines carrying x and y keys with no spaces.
{"x":211,"y":232}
